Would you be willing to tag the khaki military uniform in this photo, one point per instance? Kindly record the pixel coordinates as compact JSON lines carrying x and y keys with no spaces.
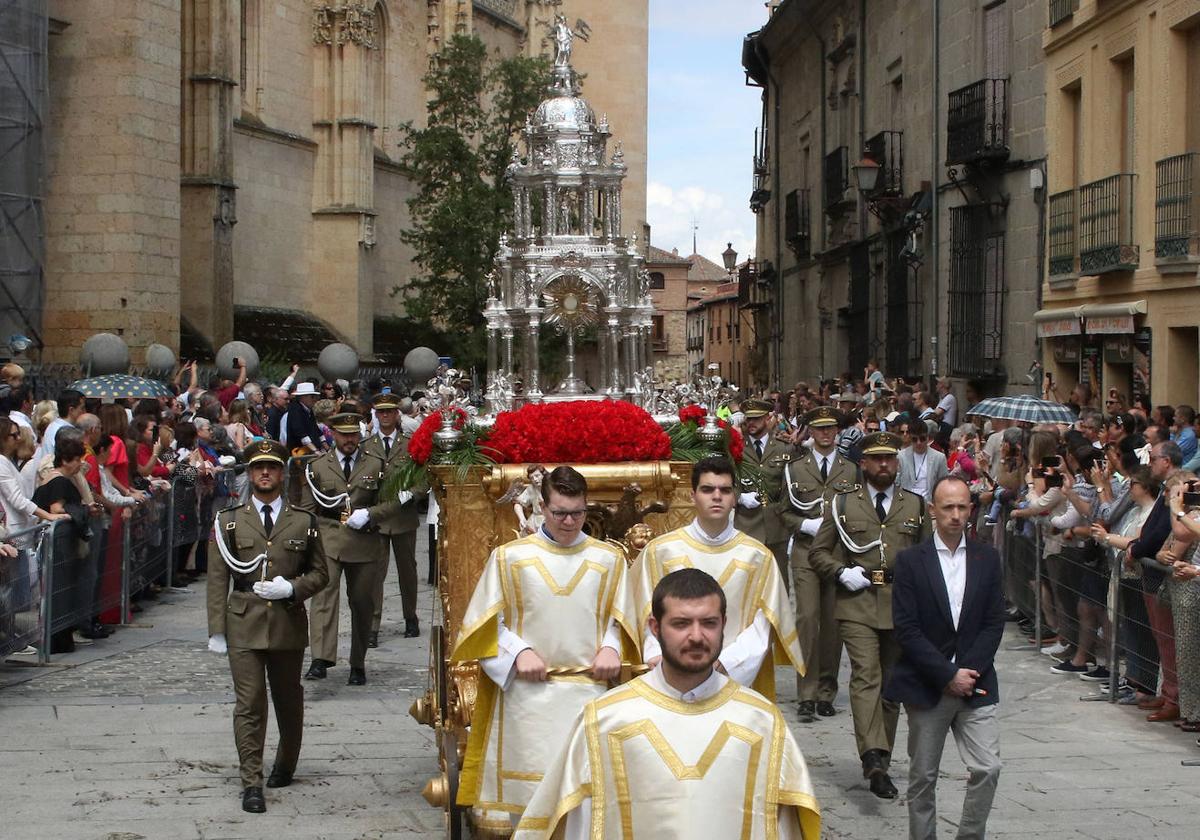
{"x":865,"y":617}
{"x":266,"y":639}
{"x":765,"y":522}
{"x":354,"y":552}
{"x":399,"y":532}
{"x":808,"y":496}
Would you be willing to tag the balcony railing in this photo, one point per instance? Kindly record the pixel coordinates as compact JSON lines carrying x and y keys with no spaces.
{"x":1060,"y":10}
{"x":797,"y":223}
{"x":837,"y":179}
{"x":977,"y":122}
{"x":1063,"y":242}
{"x":1177,"y":207}
{"x":1106,"y":234}
{"x":886,"y":149}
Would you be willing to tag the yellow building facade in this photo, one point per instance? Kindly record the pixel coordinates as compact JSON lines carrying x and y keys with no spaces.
{"x":1121,"y":303}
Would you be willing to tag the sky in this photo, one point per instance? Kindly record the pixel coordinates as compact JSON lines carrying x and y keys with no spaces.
{"x":702,"y":121}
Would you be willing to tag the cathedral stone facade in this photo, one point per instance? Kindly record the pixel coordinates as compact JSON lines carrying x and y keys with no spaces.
{"x":217,"y":158}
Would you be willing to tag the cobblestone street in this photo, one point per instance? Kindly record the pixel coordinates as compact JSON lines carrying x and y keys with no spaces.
{"x":131,"y":738}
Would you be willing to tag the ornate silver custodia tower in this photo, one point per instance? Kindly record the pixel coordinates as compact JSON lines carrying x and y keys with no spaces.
{"x":566,"y":266}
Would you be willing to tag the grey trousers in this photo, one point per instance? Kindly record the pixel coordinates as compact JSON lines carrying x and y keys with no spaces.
{"x":977,"y":733}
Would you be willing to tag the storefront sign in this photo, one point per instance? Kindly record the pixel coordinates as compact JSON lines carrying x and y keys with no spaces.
{"x":1067,"y":351}
{"x":1060,"y":326}
{"x":1110,"y":324}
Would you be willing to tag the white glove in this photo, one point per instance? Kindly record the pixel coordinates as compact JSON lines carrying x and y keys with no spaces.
{"x":405,"y":496}
{"x":273,"y":590}
{"x":217,"y":643}
{"x":810,"y":526}
{"x":749,"y":500}
{"x":227,"y":460}
{"x":358,"y":519}
{"x":854,"y":579}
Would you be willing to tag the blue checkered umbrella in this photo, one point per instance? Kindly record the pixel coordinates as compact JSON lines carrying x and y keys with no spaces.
{"x":1022,"y":408}
{"x":121,"y":386}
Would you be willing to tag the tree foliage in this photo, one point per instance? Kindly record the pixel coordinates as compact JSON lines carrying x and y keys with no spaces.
{"x":462,"y":204}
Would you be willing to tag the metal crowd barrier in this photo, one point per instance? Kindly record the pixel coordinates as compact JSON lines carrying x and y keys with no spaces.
{"x":61,"y":581}
{"x":1130,"y":640}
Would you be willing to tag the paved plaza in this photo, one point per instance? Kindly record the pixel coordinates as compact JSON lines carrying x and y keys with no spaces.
{"x":131,"y":738}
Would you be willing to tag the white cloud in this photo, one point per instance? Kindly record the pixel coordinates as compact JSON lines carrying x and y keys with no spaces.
{"x":672,"y":209}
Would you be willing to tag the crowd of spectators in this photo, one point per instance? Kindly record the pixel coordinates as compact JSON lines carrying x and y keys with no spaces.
{"x":1110,"y":494}
{"x":103,"y":466}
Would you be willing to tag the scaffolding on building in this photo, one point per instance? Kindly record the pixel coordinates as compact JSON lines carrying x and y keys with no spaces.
{"x":23,"y":97}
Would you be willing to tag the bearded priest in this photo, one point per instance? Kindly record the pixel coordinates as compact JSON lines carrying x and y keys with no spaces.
{"x":682,"y":751}
{"x":545,"y":625}
{"x":762,"y":629}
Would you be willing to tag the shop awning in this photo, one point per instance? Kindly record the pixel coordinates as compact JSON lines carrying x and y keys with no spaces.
{"x":1111,"y":318}
{"x":1055,"y":322}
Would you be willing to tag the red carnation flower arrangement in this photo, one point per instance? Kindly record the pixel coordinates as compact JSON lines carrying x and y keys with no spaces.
{"x":691,"y":414}
{"x":692,"y":417}
{"x":579,"y":431}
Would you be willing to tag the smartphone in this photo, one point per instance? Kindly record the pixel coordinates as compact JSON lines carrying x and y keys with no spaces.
{"x":1191,"y":497}
{"x":1053,"y":479}
{"x":235,"y":362}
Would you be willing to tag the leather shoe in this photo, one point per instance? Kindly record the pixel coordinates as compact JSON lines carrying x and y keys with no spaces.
{"x":278,"y":778}
{"x":316,"y":671}
{"x":825,"y":708}
{"x":373,"y":640}
{"x":1152,"y":703}
{"x":1190,"y":726}
{"x":252,"y":800}
{"x":881,"y":786}
{"x":807,"y":711}
{"x":358,"y":676}
{"x":412,"y":628}
{"x":1168,"y":712}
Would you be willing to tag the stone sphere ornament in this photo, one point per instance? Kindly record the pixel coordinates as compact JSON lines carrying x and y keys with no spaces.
{"x":420,"y":364}
{"x":160,"y":359}
{"x":237,"y":350}
{"x":104,"y":353}
{"x":337,"y":361}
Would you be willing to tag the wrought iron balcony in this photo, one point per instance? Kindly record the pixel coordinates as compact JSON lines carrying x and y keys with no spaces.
{"x":1060,"y":10}
{"x":1177,"y":208}
{"x":887,"y":149}
{"x":1106,"y":234}
{"x":837,"y":180}
{"x":797,"y":223}
{"x":977,"y":123}
{"x":1062,"y":239}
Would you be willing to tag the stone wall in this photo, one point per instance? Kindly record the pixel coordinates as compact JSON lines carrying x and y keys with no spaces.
{"x":112,"y":193}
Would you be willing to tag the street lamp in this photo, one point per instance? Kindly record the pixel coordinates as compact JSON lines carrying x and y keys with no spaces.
{"x":729,"y":256}
{"x":866,"y":175}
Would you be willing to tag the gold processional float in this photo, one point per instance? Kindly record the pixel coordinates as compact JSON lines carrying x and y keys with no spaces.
{"x":567,"y":267}
{"x":629,"y":503}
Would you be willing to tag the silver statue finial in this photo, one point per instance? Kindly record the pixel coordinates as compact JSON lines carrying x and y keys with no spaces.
{"x":563,"y":36}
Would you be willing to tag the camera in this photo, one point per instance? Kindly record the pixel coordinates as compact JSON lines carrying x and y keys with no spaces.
{"x":1191,"y":496}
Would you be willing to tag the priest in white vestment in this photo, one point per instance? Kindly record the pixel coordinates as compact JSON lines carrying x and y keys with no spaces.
{"x":545,"y":625}
{"x":680,"y":753}
{"x":761,"y":628}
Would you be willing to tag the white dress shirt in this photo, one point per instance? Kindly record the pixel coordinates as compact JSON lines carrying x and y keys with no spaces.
{"x":502,"y":668}
{"x":743,"y":657}
{"x":954,"y":572}
{"x":888,"y":495}
{"x":275,"y":506}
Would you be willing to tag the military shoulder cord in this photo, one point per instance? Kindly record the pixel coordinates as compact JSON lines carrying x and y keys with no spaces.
{"x":243,"y":567}
{"x":340,"y":500}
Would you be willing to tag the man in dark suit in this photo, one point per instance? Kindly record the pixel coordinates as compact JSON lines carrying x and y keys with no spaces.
{"x":948,"y":610}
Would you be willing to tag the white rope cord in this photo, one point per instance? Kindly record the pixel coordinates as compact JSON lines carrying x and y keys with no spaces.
{"x":340,"y":500}
{"x":240,"y":566}
{"x":805,"y":507}
{"x":850,"y":544}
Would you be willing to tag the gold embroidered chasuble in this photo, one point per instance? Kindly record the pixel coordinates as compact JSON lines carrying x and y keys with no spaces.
{"x":561,"y":602}
{"x":747,"y":572}
{"x":640,"y":763}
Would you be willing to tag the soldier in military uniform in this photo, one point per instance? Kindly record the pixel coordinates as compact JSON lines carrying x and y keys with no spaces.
{"x":810,"y":483}
{"x":274,"y":561}
{"x":758,"y":509}
{"x":856,"y":545}
{"x":399,"y":530}
{"x":342,"y":489}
